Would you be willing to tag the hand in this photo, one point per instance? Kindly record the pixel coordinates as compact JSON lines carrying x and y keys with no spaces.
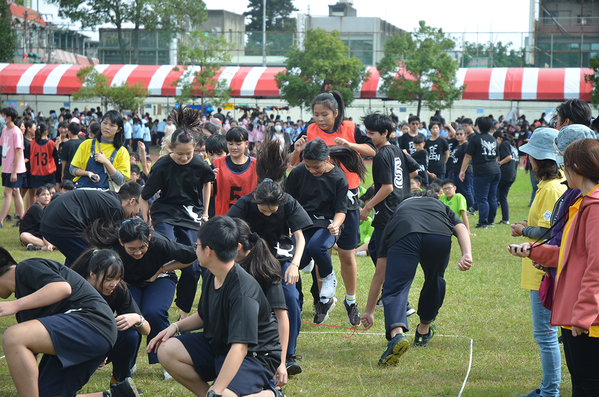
{"x":522,"y":251}
{"x":538,"y":266}
{"x":300,"y":143}
{"x":154,"y":277}
{"x":141,"y":148}
{"x":215,"y":172}
{"x":95,"y":178}
{"x":100,"y":157}
{"x":465,"y":262}
{"x":364,"y":214}
{"x":126,"y":321}
{"x":280,"y":377}
{"x":58,"y":140}
{"x":578,"y":331}
{"x":462,"y":176}
{"x":472,"y":234}
{"x":50,"y":247}
{"x":432,"y":175}
{"x":103,"y":364}
{"x":292,"y":274}
{"x":13,"y":177}
{"x":517,"y":229}
{"x":162,"y":337}
{"x":8,"y":308}
{"x":205,"y":218}
{"x":342,"y":142}
{"x":334,"y":229}
{"x":367,"y":319}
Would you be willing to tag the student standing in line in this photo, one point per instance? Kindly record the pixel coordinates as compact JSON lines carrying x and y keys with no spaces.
{"x":452,"y":144}
{"x":465,"y":188}
{"x":508,"y":162}
{"x":421,"y":157}
{"x":406,"y":140}
{"x":41,"y":157}
{"x":438,"y":153}
{"x":13,"y":164}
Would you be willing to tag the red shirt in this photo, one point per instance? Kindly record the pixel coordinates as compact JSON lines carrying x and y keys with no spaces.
{"x":231,"y":186}
{"x":41,"y":158}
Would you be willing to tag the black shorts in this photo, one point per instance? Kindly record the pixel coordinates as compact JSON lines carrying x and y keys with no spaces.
{"x":251,"y":377}
{"x":15,"y":185}
{"x":41,"y":180}
{"x":80,"y":350}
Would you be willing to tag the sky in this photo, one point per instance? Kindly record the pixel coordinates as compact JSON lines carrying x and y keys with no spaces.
{"x":456,"y":16}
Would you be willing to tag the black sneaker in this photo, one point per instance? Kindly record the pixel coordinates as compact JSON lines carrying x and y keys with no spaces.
{"x":8,"y":218}
{"x":471,"y":211}
{"x":504,"y":222}
{"x":379,"y":303}
{"x":353,"y":315}
{"x":125,"y":388}
{"x":396,"y":347}
{"x":293,"y":367}
{"x":422,"y":340}
{"x":410,"y":310}
{"x":32,"y":247}
{"x":490,"y":224}
{"x":481,"y":226}
{"x":322,"y":310}
{"x":17,"y":223}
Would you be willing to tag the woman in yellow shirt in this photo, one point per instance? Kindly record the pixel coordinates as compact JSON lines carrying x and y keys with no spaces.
{"x":102,"y":157}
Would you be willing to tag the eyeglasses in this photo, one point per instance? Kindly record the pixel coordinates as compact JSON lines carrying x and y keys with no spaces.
{"x":448,"y":188}
{"x":459,"y":134}
{"x":415,"y":123}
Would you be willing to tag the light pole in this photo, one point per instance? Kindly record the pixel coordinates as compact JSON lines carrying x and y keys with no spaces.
{"x":264,"y":33}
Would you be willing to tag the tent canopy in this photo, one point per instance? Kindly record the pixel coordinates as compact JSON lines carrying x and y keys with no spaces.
{"x":556,"y":84}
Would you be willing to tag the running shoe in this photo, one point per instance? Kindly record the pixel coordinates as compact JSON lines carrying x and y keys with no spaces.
{"x":32,"y":247}
{"x":329,"y":286}
{"x":396,"y":347}
{"x":293,"y":367}
{"x":504,"y":222}
{"x":410,"y":310}
{"x":322,"y":310}
{"x":481,"y":226}
{"x":125,"y":388}
{"x":353,"y":314}
{"x":308,"y":269}
{"x":422,"y":340}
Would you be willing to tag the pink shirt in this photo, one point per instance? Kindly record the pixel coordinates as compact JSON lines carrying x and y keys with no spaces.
{"x":12,"y":139}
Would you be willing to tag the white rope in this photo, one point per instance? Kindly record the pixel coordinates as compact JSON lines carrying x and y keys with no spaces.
{"x":467,"y":373}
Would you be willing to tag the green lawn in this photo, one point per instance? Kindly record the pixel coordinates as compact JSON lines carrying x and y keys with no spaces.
{"x":484,"y":305}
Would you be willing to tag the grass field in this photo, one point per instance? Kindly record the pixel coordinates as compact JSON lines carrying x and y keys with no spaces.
{"x":485,"y":309}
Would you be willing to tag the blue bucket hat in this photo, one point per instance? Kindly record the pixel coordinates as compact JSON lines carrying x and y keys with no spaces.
{"x":540,"y":144}
{"x":571,"y":133}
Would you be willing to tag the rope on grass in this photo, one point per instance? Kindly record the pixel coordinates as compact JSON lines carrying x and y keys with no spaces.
{"x":468,"y":372}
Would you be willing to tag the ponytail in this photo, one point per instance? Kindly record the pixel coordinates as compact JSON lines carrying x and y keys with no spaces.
{"x":319,"y":151}
{"x":40,"y":131}
{"x":333,"y":101}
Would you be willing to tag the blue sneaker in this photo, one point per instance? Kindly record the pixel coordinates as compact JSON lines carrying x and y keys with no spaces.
{"x":396,"y":347}
{"x":534,"y":393}
{"x":422,"y":340}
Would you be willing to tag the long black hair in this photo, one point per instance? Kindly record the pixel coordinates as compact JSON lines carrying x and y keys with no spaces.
{"x":39,"y":132}
{"x":114,"y":117}
{"x":189,"y":125}
{"x":319,"y":151}
{"x":575,"y":110}
{"x":333,"y":101}
{"x":104,"y":263}
{"x":133,"y":229}
{"x":260,"y":262}
{"x":102,"y":233}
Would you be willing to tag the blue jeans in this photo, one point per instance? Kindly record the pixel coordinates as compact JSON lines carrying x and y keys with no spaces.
{"x":546,"y":337}
{"x":293,"y":310}
{"x":502,"y":191}
{"x":485,"y":192}
{"x":465,"y":188}
{"x":124,"y":353}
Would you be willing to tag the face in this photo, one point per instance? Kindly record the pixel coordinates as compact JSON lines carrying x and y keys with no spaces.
{"x":136,"y":248}
{"x":324,"y":117}
{"x":435,"y":130}
{"x":131,"y":208}
{"x":200,"y":151}
{"x":460,"y":135}
{"x":414,"y":126}
{"x":134,"y":177}
{"x":561,"y":123}
{"x":182,"y":153}
{"x":449,"y":190}
{"x":377,"y":138}
{"x":467,"y":128}
{"x":237,"y":149}
{"x":405,"y":128}
{"x":316,"y":168}
{"x":450,"y":134}
{"x":31,"y":130}
{"x":44,"y":198}
{"x":241,"y":254}
{"x":267,"y":210}
{"x":499,"y":141}
{"x":108,"y":129}
{"x":414,"y":186}
{"x":22,"y":127}
{"x":106,"y":286}
{"x":214,"y":156}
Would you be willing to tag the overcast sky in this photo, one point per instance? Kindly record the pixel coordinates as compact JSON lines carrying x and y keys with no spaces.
{"x":456,"y":16}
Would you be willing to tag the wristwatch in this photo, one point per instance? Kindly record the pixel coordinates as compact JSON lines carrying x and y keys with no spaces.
{"x":141,"y":322}
{"x":212,"y":393}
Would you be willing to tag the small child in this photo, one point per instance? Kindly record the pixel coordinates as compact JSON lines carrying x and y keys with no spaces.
{"x":216,"y":147}
{"x":438,"y":152}
{"x":29,"y":230}
{"x":421,"y":157}
{"x":455,"y":201}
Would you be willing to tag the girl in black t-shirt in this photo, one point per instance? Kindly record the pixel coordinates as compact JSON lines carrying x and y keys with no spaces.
{"x":508,"y":162}
{"x":321,"y":188}
{"x":29,"y":229}
{"x":464,"y":187}
{"x":103,"y":269}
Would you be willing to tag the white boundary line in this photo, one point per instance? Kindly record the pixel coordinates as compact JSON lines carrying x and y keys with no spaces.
{"x":2,"y":357}
{"x":377,"y":333}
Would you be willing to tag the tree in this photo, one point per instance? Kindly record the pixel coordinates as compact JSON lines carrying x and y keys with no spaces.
{"x":170,"y":15}
{"x":594,"y":79}
{"x":500,"y":55}
{"x":428,"y":74}
{"x":123,"y":97}
{"x":323,"y":65}
{"x":206,"y":53}
{"x":278,"y":20}
{"x":8,"y":36}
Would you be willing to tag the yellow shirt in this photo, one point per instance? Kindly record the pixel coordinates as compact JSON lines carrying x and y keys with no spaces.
{"x":121,"y":160}
{"x":540,"y":216}
{"x":594,"y":331}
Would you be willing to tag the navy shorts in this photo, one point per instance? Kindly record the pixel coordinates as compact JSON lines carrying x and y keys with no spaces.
{"x":7,"y":183}
{"x":36,"y":181}
{"x":26,"y":181}
{"x":75,"y":360}
{"x":251,"y":378}
{"x":350,"y":235}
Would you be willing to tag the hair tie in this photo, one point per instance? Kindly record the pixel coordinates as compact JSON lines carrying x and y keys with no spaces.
{"x":267,"y":180}
{"x":254,"y":237}
{"x":94,"y":253}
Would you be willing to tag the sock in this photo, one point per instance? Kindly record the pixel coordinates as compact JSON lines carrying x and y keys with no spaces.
{"x":350,"y":299}
{"x":107,"y":393}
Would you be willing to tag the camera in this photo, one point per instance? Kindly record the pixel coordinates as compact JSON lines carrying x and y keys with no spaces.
{"x":94,"y":178}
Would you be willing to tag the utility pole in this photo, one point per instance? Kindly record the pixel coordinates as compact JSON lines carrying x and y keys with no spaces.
{"x":264,"y":33}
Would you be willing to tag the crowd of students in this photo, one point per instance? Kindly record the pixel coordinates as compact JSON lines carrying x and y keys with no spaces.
{"x":219,"y":206}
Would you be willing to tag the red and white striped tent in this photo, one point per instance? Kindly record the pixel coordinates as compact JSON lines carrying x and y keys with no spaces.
{"x":555,"y":84}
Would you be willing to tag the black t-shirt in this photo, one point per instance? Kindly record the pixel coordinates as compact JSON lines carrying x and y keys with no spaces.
{"x":31,"y":221}
{"x":274,"y":229}
{"x":84,"y":302}
{"x":436,"y":155}
{"x":238,"y":312}
{"x":406,"y":142}
{"x":322,"y":197}
{"x":237,"y":168}
{"x":121,"y":301}
{"x":71,"y":213}
{"x":424,"y":215}
{"x":459,"y":153}
{"x":509,"y":169}
{"x":421,"y":158}
{"x":391,"y":166}
{"x":180,"y":201}
{"x":160,"y":251}
{"x":452,"y":145}
{"x":67,"y":152}
{"x":483,"y":149}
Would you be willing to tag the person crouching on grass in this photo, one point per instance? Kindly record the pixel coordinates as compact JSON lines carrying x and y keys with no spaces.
{"x":419,"y":232}
{"x":239,"y":346}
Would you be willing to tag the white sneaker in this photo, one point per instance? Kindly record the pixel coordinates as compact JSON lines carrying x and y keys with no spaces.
{"x":167,"y":376}
{"x":329,"y":286}
{"x":361,"y":253}
{"x":133,"y":369}
{"x":308,"y":269}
